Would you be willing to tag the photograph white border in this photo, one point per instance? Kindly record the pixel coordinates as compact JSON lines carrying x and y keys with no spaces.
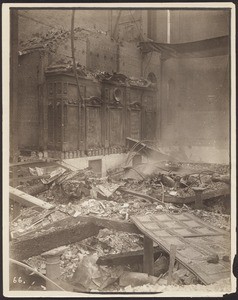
{"x":5,"y":107}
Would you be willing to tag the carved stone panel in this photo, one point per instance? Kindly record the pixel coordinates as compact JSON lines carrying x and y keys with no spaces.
{"x":72,"y":92}
{"x":149,"y":100}
{"x":71,"y":127}
{"x":135,"y":96}
{"x":58,"y":124}
{"x":59,"y":88}
{"x":50,"y":119}
{"x":149,"y":125}
{"x":116,"y":127}
{"x":93,"y":127}
{"x":135,"y":124}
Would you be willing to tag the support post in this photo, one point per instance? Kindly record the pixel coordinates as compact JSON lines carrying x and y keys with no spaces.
{"x":148,"y":259}
{"x":198,"y":197}
{"x":172,"y":256}
{"x":116,"y":25}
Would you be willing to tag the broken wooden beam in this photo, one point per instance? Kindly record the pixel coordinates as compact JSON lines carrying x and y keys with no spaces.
{"x":27,"y":200}
{"x":141,"y":195}
{"x":67,"y":231}
{"x":61,"y":233}
{"x":131,"y":257}
{"x":36,"y":189}
{"x":207,"y":195}
{"x":148,"y":258}
{"x":172,"y":257}
{"x":179,"y":200}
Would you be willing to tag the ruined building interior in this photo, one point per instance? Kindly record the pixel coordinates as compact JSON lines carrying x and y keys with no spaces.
{"x":120,"y":158}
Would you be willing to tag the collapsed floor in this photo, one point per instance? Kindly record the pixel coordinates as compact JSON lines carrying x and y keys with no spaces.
{"x":112,"y":260}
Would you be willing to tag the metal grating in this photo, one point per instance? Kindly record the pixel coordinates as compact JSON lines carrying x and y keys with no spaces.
{"x":195,"y":240}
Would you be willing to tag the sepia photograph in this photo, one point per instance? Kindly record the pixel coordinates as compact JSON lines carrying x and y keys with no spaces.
{"x":119,"y":149}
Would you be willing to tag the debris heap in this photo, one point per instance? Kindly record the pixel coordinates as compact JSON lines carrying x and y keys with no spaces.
{"x":129,"y":191}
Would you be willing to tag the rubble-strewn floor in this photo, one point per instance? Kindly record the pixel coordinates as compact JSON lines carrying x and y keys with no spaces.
{"x":81,"y":195}
{"x":221,"y":286}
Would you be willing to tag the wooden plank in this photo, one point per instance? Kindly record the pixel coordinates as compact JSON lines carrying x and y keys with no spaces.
{"x":193,"y":226}
{"x":104,"y":223}
{"x":148,"y":259}
{"x":173,"y":199}
{"x":35,"y":189}
{"x":205,"y":196}
{"x":131,"y":257}
{"x":141,"y":195}
{"x":64,"y":233}
{"x":172,"y":256}
{"x":27,"y":200}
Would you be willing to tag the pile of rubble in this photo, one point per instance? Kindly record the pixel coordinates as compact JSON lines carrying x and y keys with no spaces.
{"x":221,"y":286}
{"x":118,"y":197}
{"x":52,"y":39}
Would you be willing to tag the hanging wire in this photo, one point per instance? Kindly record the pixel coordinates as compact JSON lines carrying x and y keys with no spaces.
{"x":134,"y":147}
{"x":37,"y":21}
{"x":139,"y":30}
{"x":132,"y":156}
{"x":73,"y":54}
{"x":147,"y":65}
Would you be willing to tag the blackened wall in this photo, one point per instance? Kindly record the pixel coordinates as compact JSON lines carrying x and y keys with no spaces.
{"x":28,"y":99}
{"x":193,"y":93}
